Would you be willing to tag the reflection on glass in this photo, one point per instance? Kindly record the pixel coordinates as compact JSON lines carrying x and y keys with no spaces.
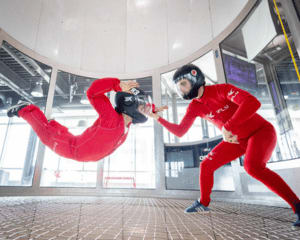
{"x":290,"y":89}
{"x":182,"y":166}
{"x":132,"y":165}
{"x":261,"y":64}
{"x":21,"y":78}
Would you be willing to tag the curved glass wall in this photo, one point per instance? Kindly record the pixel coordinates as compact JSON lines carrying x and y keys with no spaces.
{"x":256,"y":58}
{"x":289,"y":87}
{"x":258,"y":51}
{"x":21,"y":78}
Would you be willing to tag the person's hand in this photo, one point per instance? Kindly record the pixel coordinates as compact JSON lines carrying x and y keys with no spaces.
{"x":148,"y":111}
{"x":229,"y":137}
{"x":154,"y":113}
{"x":145,"y":109}
{"x":160,"y":109}
{"x":127,"y":85}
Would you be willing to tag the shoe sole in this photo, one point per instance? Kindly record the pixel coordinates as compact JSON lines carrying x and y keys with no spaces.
{"x":16,"y":106}
{"x":296,"y":224}
{"x":204,"y":211}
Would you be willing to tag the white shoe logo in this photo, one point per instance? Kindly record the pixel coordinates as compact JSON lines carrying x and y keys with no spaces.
{"x":200,"y":209}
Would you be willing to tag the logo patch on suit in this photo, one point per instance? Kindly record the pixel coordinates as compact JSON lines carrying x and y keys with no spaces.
{"x":233,"y":94}
{"x":223,"y":109}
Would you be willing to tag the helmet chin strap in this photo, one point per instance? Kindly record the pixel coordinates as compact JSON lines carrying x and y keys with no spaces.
{"x":127,"y":119}
{"x":201,"y":91}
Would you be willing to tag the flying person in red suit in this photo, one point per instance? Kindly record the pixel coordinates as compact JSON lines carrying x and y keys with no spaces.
{"x":107,"y":133}
{"x":233,"y":111}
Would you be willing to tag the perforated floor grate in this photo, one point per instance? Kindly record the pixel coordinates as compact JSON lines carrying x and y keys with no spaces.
{"x":139,"y":218}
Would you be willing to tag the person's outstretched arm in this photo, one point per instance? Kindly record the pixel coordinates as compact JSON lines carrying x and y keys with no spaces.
{"x":178,"y":129}
{"x":102,"y":86}
{"x":97,"y":90}
{"x":247,"y":105}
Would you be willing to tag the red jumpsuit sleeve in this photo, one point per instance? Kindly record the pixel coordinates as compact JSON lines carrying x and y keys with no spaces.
{"x":96,"y":92}
{"x":103,"y":85}
{"x":180,"y":129}
{"x":247,"y":105}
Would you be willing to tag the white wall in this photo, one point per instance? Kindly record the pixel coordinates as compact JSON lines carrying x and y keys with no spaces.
{"x":223,"y":12}
{"x":116,"y":36}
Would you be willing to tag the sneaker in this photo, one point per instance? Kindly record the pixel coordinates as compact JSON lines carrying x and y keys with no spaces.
{"x":196,"y":207}
{"x":297,"y":223}
{"x":13,"y":111}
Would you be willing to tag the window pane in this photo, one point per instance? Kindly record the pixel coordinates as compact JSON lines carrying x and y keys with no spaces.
{"x":71,"y":109}
{"x":132,"y":165}
{"x":266,"y":71}
{"x":290,"y":89}
{"x":182,"y":160}
{"x":21,"y":78}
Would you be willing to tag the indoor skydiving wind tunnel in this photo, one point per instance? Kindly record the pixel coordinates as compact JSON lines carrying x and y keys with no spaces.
{"x":53,"y":52}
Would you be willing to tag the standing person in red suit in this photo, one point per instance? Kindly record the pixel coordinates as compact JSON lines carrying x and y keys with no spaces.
{"x":233,"y":111}
{"x":107,"y":133}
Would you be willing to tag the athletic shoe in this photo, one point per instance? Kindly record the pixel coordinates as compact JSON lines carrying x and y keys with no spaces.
{"x":297,"y":211}
{"x":13,"y":111}
{"x":196,"y":207}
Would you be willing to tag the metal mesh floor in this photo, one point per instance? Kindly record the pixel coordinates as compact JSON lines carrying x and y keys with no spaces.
{"x":139,"y":218}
